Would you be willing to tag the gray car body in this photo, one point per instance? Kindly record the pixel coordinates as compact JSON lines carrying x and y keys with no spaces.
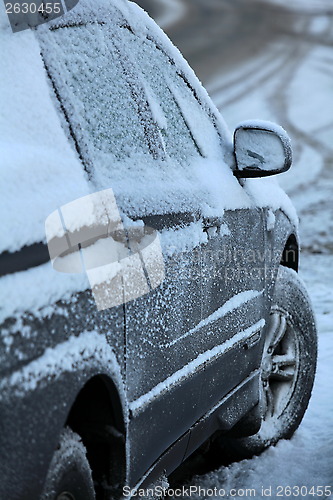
{"x":164,"y":374}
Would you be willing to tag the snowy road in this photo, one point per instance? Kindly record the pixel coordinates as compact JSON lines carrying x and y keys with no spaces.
{"x":264,"y":60}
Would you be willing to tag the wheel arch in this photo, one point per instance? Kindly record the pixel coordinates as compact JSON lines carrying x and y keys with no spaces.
{"x":290,"y":253}
{"x":97,"y":416}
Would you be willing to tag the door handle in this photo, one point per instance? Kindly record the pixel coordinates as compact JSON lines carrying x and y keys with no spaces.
{"x":212,"y":226}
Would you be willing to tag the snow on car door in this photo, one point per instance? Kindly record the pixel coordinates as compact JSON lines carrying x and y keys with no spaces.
{"x":233,"y":282}
{"x":170,"y":350}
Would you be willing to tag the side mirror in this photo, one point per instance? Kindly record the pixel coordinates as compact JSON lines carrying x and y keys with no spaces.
{"x":261,"y":148}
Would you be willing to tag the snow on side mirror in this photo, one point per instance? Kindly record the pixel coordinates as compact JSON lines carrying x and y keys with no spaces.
{"x":261,"y":148}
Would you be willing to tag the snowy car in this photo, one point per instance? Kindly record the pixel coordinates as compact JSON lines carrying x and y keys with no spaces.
{"x":198,"y":329}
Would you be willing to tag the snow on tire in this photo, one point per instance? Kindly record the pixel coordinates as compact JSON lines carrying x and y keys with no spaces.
{"x":69,"y":475}
{"x":287,"y":370}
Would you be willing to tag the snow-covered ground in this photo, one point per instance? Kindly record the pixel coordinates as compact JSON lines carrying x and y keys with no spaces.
{"x":314,"y":6}
{"x":290,"y":81}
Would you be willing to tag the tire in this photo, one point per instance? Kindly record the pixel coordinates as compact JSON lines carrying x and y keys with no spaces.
{"x":287,"y":370}
{"x":69,"y":476}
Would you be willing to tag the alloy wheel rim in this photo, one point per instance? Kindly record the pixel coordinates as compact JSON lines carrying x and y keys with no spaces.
{"x":279,"y":366}
{"x":65,"y":495}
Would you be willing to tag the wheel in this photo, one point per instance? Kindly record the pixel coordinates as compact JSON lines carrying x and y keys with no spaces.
{"x":69,"y":476}
{"x":287,"y":369}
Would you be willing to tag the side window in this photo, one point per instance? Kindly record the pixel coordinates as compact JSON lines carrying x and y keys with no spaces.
{"x":105,"y":106}
{"x":155,"y":68}
{"x":186,"y":128}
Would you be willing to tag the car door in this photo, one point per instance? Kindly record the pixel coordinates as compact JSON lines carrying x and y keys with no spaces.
{"x":233,"y":285}
{"x":179,"y":342}
{"x":230,"y":333}
{"x":229,"y":336}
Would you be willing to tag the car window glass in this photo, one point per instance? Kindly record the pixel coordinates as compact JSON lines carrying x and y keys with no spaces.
{"x":107,"y":110}
{"x":124,"y":117}
{"x":185,"y":126}
{"x":155,"y":67}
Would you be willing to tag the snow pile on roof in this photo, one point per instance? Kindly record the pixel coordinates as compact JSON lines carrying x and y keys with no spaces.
{"x":92,"y":10}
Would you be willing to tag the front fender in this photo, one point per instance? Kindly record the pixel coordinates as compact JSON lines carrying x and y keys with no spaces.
{"x":282,"y":247}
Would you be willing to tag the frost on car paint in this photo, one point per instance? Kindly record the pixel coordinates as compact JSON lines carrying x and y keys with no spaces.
{"x":229,"y":306}
{"x":195,"y":365}
{"x":65,"y":357}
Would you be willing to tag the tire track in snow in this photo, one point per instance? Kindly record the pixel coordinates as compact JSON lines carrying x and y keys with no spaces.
{"x":314,"y":207}
{"x":259,"y":71}
{"x":260,"y":78}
